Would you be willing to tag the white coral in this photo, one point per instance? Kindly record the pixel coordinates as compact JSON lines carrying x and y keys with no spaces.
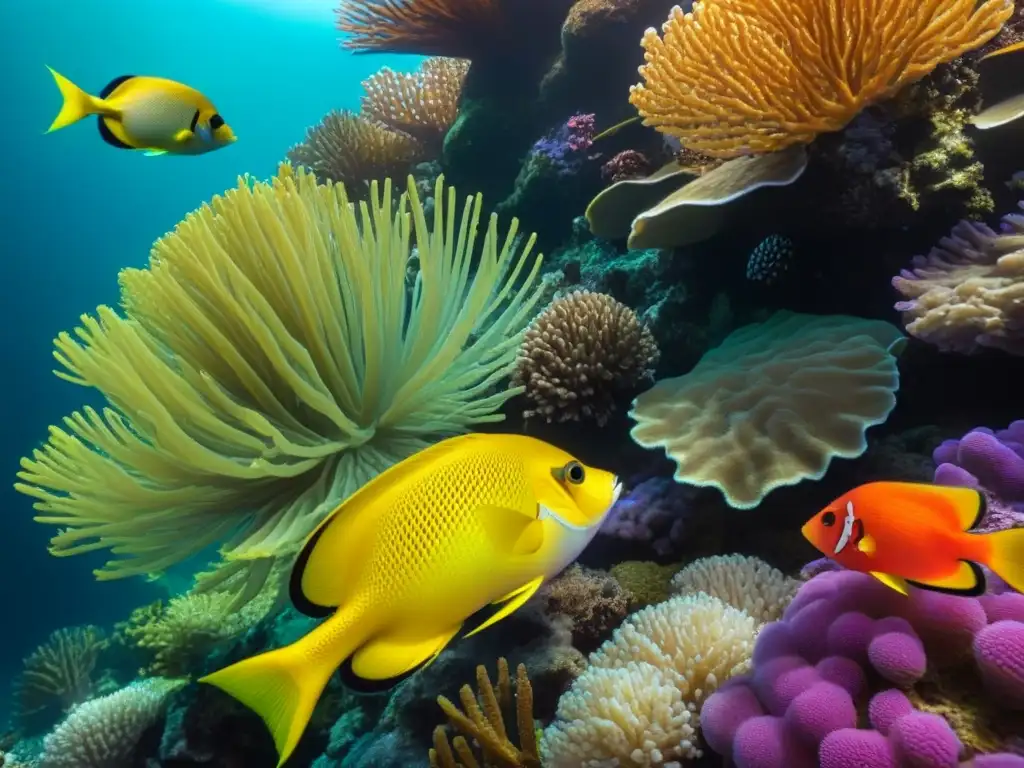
{"x":746,"y":583}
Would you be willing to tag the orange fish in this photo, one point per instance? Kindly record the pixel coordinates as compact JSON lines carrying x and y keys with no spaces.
{"x":917,"y":534}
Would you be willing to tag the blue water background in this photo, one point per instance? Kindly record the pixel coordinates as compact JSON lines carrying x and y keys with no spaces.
{"x":75,"y":211}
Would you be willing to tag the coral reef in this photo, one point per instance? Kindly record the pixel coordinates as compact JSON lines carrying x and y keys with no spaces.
{"x":788,"y":73}
{"x":848,"y":650}
{"x":656,"y":510}
{"x":830,"y":378}
{"x":968,"y":292}
{"x":240,"y":420}
{"x":646,"y":582}
{"x":770,"y":260}
{"x":746,"y":583}
{"x":581,"y":353}
{"x":593,"y":601}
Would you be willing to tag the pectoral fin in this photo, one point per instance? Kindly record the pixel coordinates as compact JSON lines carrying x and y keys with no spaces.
{"x":511,"y":531}
{"x":386,"y":661}
{"x":509,"y":603}
{"x":866,"y":545}
{"x":893,"y":582}
{"x":154,"y":152}
{"x":183,"y":136}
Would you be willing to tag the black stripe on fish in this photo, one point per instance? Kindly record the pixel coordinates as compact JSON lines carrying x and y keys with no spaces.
{"x":363,"y":687}
{"x":108,"y":136}
{"x":195,"y":120}
{"x":858,"y":532}
{"x":110,"y":87}
{"x":303,"y":604}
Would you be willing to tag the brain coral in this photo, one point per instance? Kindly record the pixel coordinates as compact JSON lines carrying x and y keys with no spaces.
{"x":850,"y":650}
{"x":773,"y":404}
{"x":968,"y":292}
{"x":638,"y":702}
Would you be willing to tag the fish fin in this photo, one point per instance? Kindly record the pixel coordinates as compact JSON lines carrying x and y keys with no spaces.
{"x":108,"y":132}
{"x":968,"y":581}
{"x":507,"y":528}
{"x":1005,"y":49}
{"x":77,"y":103}
{"x":952,"y":505}
{"x":867,"y":545}
{"x":384,"y":662}
{"x":183,"y":135}
{"x":112,"y":86}
{"x":1007,"y":556}
{"x":154,"y":152}
{"x":509,"y":603}
{"x":281,"y":686}
{"x":893,"y":582}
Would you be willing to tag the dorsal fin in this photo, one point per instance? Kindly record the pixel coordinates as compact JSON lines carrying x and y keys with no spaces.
{"x":113,"y":84}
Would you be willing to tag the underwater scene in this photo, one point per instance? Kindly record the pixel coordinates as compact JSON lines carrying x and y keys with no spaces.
{"x":513,"y":384}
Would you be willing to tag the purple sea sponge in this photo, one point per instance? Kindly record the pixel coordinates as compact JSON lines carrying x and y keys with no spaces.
{"x":781,"y":680}
{"x":851,"y":748}
{"x":844,"y":672}
{"x":765,"y":742}
{"x":821,"y":709}
{"x":774,"y":640}
{"x":996,"y":465}
{"x":945,"y":623}
{"x":999,"y":653}
{"x":886,"y":707}
{"x":922,"y":740}
{"x":722,"y":715}
{"x":1008,"y":606}
{"x":1002,"y":760}
{"x":896,"y":652}
{"x":806,"y":627}
{"x":849,"y":635}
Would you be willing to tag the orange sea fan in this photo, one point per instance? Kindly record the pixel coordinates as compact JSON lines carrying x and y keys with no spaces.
{"x":454,"y":28}
{"x":352,"y":149}
{"x":422,"y":104}
{"x":749,"y":76}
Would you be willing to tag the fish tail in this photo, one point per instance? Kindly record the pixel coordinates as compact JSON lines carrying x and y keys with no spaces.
{"x":284,"y":685}
{"x":1007,"y":556}
{"x":77,"y":103}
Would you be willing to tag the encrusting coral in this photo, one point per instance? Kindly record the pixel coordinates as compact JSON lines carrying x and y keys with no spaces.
{"x":578,"y":353}
{"x":269,"y":362}
{"x":593,"y":601}
{"x":483,"y":720}
{"x":746,"y":583}
{"x":740,"y":76}
{"x":773,"y":403}
{"x":968,"y":292}
{"x":421,"y":104}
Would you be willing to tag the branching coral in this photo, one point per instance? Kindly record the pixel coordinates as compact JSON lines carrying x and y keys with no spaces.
{"x":422,"y":104}
{"x":484,"y":721}
{"x":269,"y":362}
{"x":746,"y":583}
{"x":639,"y":701}
{"x":456,"y":28}
{"x":968,"y":292}
{"x":580,"y":352}
{"x":59,"y":674}
{"x":774,"y":403}
{"x":739,"y":76}
{"x":351,"y":149}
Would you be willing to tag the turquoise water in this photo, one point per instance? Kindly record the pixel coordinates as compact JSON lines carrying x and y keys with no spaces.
{"x":77,"y":210}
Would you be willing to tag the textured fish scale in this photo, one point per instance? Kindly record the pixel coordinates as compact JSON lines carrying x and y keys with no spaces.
{"x":153,"y":118}
{"x":433,"y":529}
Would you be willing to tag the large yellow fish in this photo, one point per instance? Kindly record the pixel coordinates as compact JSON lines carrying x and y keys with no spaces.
{"x":474,"y":522}
{"x":151,"y":114}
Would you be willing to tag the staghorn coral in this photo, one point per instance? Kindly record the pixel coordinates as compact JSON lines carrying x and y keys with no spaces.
{"x":104,"y":732}
{"x":740,"y":76}
{"x":59,"y":674}
{"x":579,"y":353}
{"x":968,"y":292}
{"x":773,"y":403}
{"x":484,"y":721}
{"x":351,"y":149}
{"x":268,"y":363}
{"x":746,"y":583}
{"x":421,"y":104}
{"x":639,"y":700}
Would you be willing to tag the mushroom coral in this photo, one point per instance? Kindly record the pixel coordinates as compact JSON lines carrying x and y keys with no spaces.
{"x":269,"y":361}
{"x":773,"y":403}
{"x":750,"y":76}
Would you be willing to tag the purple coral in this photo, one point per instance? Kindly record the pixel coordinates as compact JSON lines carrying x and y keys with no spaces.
{"x":797,"y":706}
{"x":655,"y":510}
{"x":564,"y":148}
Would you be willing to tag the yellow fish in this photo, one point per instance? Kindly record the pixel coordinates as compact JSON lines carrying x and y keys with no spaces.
{"x":151,"y":114}
{"x":473,"y":522}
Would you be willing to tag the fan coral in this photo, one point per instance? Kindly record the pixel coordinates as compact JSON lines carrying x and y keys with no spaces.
{"x":773,"y":403}
{"x":968,"y":292}
{"x":848,"y":647}
{"x":639,"y":701}
{"x":422,"y":104}
{"x":59,"y":673}
{"x":104,"y":732}
{"x":770,"y":260}
{"x":579,"y":353}
{"x":746,"y":583}
{"x":269,"y":362}
{"x":351,"y":149}
{"x":741,"y":76}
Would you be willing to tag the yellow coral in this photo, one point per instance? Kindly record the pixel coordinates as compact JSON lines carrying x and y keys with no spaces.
{"x":746,"y":583}
{"x":740,"y":76}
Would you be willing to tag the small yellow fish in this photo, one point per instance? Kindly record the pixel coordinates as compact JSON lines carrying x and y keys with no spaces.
{"x":151,"y":114}
{"x":474,"y":522}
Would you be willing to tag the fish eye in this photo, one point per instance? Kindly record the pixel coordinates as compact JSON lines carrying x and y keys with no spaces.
{"x":574,"y":472}
{"x":828,"y":519}
{"x":216,"y":122}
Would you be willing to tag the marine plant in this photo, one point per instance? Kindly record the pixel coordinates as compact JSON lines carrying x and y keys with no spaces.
{"x":749,"y":76}
{"x":268,"y":362}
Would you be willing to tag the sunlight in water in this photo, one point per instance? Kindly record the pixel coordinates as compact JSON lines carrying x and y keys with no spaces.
{"x":305,"y":9}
